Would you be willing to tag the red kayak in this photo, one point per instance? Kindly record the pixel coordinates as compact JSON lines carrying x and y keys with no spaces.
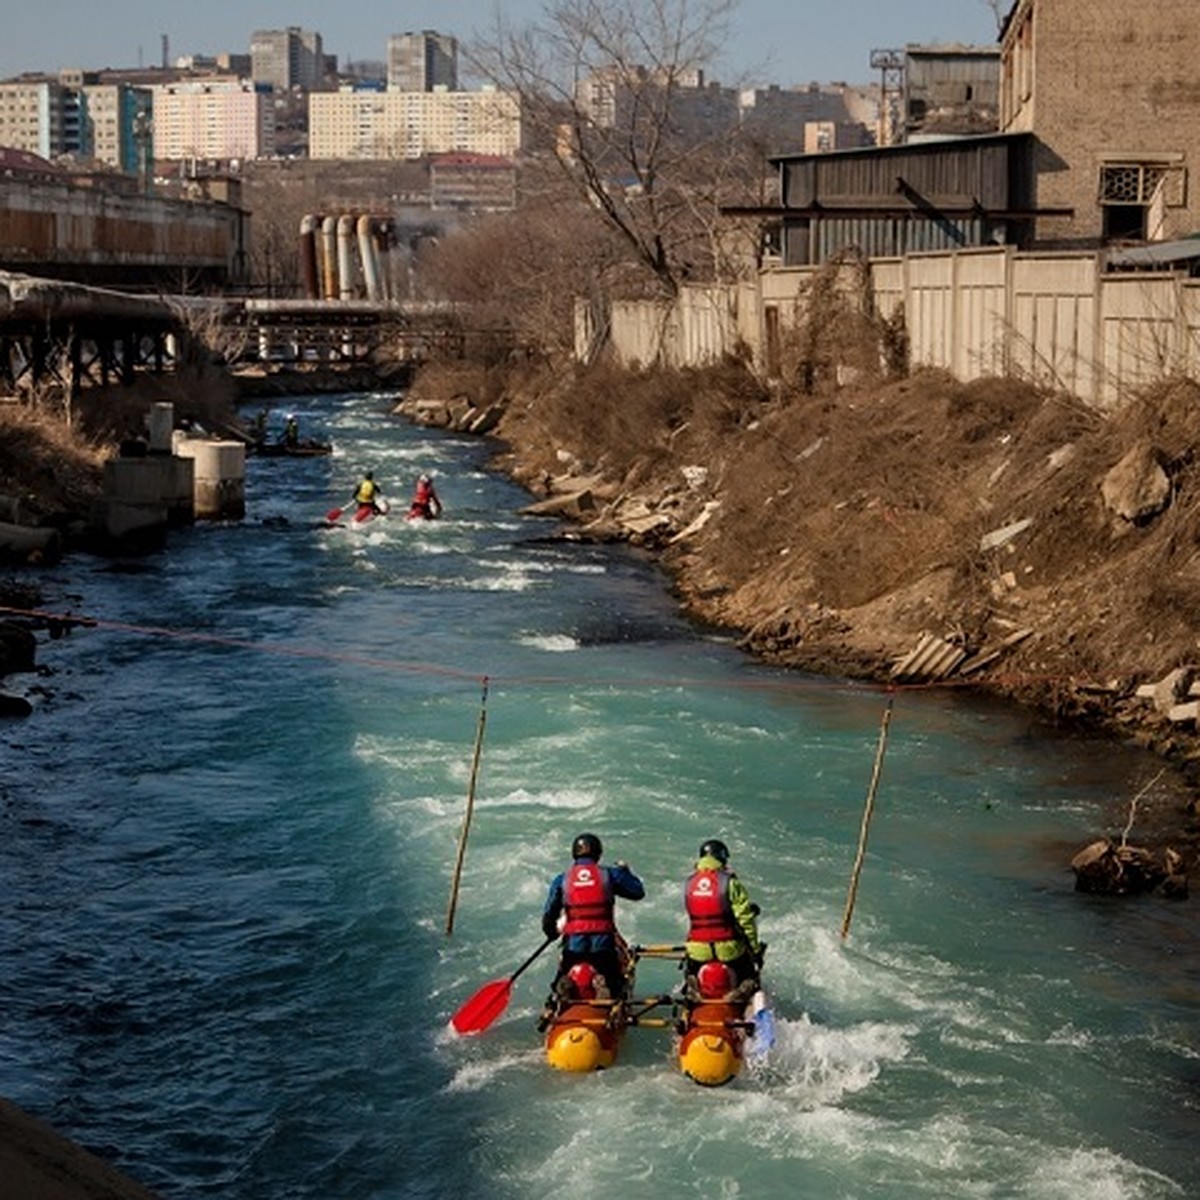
{"x":368,"y":512}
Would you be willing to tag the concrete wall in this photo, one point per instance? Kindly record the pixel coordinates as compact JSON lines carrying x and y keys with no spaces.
{"x":1058,"y":320}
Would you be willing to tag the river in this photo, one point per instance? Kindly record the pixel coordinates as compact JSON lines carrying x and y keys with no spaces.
{"x":229,"y":835}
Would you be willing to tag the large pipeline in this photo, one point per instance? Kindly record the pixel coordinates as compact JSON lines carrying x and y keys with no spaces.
{"x":345,"y":256}
{"x":329,"y":289}
{"x":329,"y":268}
{"x":368,"y":252}
{"x":308,"y":257}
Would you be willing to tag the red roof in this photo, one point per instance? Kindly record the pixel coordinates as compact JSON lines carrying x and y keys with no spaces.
{"x":24,"y":162}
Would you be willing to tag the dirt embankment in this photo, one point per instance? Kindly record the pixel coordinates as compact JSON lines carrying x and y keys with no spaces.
{"x":839,"y":533}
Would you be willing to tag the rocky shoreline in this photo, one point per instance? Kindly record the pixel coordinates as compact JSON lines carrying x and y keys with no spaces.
{"x":918,"y":533}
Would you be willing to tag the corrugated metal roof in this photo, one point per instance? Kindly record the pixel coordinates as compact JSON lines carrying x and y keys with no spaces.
{"x":905,"y":147}
{"x":1159,"y":254}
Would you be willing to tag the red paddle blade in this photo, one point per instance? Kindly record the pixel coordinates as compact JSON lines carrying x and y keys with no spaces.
{"x":483,"y":1007}
{"x":334,"y":514}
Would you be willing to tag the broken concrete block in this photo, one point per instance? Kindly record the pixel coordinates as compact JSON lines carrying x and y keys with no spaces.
{"x":1004,"y":535}
{"x":1137,"y":487}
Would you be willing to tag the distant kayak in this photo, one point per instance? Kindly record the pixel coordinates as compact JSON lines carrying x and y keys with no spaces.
{"x":304,"y":449}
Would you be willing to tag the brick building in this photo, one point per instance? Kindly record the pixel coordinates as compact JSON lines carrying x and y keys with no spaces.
{"x":1112,"y":91}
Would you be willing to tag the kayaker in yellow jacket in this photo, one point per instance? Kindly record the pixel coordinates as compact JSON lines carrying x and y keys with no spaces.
{"x":723,"y":922}
{"x":368,"y":492}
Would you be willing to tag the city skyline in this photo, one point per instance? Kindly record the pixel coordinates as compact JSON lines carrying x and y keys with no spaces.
{"x":807,"y":42}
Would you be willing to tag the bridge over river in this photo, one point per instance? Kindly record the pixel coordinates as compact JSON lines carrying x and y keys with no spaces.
{"x":56,"y":333}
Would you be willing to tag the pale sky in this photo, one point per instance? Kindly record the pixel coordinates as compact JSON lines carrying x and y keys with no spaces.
{"x":771,"y":41}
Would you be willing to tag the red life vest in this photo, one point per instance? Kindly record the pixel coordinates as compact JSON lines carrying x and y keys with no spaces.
{"x":706,"y":896}
{"x":587,"y":899}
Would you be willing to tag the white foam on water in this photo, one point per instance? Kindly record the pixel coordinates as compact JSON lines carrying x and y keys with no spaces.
{"x":818,"y":1065}
{"x":480,"y":1073}
{"x":553,"y":643}
{"x":1098,"y":1174}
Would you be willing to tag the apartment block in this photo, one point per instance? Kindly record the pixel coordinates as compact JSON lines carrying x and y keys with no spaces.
{"x":117,"y":120}
{"x":422,"y":62}
{"x":33,"y":116}
{"x":1110,"y":89}
{"x":812,"y":118}
{"x":219,"y":120}
{"x":410,"y":125}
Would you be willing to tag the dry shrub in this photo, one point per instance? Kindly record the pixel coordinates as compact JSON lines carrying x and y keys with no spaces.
{"x":834,"y":332}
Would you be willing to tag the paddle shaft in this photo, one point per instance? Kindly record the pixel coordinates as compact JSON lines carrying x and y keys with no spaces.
{"x":530,"y":960}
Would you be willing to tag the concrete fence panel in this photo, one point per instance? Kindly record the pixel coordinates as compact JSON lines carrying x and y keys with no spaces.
{"x":642,"y":330}
{"x":980,"y":306}
{"x":929,"y":309}
{"x":1139,"y":334}
{"x":1052,"y":321}
{"x":708,"y":325}
{"x":1189,"y":316}
{"x":887,"y":286}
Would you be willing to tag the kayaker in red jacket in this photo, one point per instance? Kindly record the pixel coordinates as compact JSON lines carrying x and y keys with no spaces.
{"x":425,"y":503}
{"x":585,"y":895}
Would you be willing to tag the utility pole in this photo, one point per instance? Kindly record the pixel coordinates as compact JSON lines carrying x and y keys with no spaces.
{"x":890,"y":65}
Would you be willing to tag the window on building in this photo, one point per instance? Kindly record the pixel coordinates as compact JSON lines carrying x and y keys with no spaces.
{"x":1133,"y":196}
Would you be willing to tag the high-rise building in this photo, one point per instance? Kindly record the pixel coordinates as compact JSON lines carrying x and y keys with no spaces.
{"x":287,"y":58}
{"x":421,"y":62}
{"x":76,"y":115}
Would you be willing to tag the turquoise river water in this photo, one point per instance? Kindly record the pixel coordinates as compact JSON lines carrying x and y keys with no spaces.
{"x":228,"y":837}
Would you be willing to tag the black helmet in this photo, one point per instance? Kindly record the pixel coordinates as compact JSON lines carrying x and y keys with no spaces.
{"x":586,"y":845}
{"x":716,"y":849}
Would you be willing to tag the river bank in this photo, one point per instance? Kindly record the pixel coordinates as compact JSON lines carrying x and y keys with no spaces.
{"x":915,"y":533}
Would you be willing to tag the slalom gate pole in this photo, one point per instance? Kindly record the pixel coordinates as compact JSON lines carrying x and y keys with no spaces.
{"x":462,"y":837}
{"x":866,"y":818}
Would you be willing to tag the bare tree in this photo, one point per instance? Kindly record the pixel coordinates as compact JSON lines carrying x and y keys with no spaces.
{"x":612,"y":91}
{"x":1000,"y":10}
{"x":521,"y":273}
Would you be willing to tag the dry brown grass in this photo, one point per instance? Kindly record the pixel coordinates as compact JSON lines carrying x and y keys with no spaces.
{"x":45,"y":462}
